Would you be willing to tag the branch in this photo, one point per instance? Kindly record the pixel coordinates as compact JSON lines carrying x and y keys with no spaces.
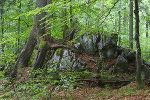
{"x":109,"y":12}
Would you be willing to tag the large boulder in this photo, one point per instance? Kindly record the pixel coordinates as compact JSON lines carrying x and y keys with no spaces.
{"x":121,"y":65}
{"x":130,"y":55}
{"x":107,"y":46}
{"x":65,"y":59}
{"x":89,"y":43}
{"x":97,"y":44}
{"x":145,"y":70}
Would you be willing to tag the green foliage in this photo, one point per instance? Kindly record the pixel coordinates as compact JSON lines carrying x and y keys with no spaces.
{"x":10,"y":36}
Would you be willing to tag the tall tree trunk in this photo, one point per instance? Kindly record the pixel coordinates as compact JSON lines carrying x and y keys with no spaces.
{"x":37,"y":28}
{"x":2,"y":30}
{"x":131,"y":25}
{"x":102,"y":6}
{"x":138,"y":54}
{"x":147,"y":28}
{"x":2,"y":24}
{"x":71,"y":15}
{"x":119,"y":29}
{"x":88,"y":17}
{"x":65,"y":26}
{"x":116,"y":26}
{"x":72,"y":22}
{"x":41,"y":55}
{"x":125,"y":20}
{"x":18,"y":39}
{"x":101,"y":11}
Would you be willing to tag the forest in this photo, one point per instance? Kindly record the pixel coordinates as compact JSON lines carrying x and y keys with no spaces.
{"x":74,"y":50}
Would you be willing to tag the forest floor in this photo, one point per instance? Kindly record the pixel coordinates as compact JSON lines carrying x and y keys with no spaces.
{"x":129,"y":92}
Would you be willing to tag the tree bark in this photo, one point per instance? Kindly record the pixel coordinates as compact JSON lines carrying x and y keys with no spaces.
{"x":125,"y":20}
{"x":71,"y":15}
{"x":37,"y":28}
{"x":18,"y":38}
{"x":119,"y":29}
{"x":65,"y":26}
{"x":101,"y":12}
{"x":88,"y":17}
{"x":2,"y":29}
{"x":41,"y":55}
{"x":2,"y":23}
{"x":138,"y":54}
{"x":147,"y":28}
{"x":131,"y":25}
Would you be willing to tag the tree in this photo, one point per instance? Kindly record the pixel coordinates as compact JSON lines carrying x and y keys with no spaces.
{"x":147,"y":24}
{"x":2,"y":21}
{"x":138,"y":54}
{"x":147,"y":20}
{"x":125,"y":20}
{"x":44,"y":39}
{"x":37,"y":29}
{"x":19,"y":20}
{"x":64,"y":17}
{"x":2,"y":27}
{"x":131,"y":25}
{"x":119,"y":25}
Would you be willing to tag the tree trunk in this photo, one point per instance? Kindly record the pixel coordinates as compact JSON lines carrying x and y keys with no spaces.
{"x":71,"y":15}
{"x":88,"y":17}
{"x":138,"y":54}
{"x":65,"y":26}
{"x":37,"y":28}
{"x":125,"y":20}
{"x":41,"y":55}
{"x":18,"y":38}
{"x":147,"y":29}
{"x":2,"y":30}
{"x":102,"y":6}
{"x":2,"y":23}
{"x":40,"y":58}
{"x":131,"y":25}
{"x":72,"y":23}
{"x":119,"y":29}
{"x":101,"y":11}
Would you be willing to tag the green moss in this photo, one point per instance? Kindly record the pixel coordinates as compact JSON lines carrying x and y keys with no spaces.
{"x":42,"y":43}
{"x":58,"y":52}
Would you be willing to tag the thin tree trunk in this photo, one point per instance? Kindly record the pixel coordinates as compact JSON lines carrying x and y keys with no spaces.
{"x":138,"y":54}
{"x":2,"y":31}
{"x":2,"y":25}
{"x":72,"y":23}
{"x":125,"y":20}
{"x":131,"y":25}
{"x":18,"y":39}
{"x":102,"y":6}
{"x":88,"y":17}
{"x":119,"y":29}
{"x":65,"y":27}
{"x":101,"y":11}
{"x":147,"y":29}
{"x":71,"y":15}
{"x":116,"y":25}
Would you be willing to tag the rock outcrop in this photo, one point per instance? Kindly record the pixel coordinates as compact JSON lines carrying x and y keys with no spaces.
{"x":99,"y":52}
